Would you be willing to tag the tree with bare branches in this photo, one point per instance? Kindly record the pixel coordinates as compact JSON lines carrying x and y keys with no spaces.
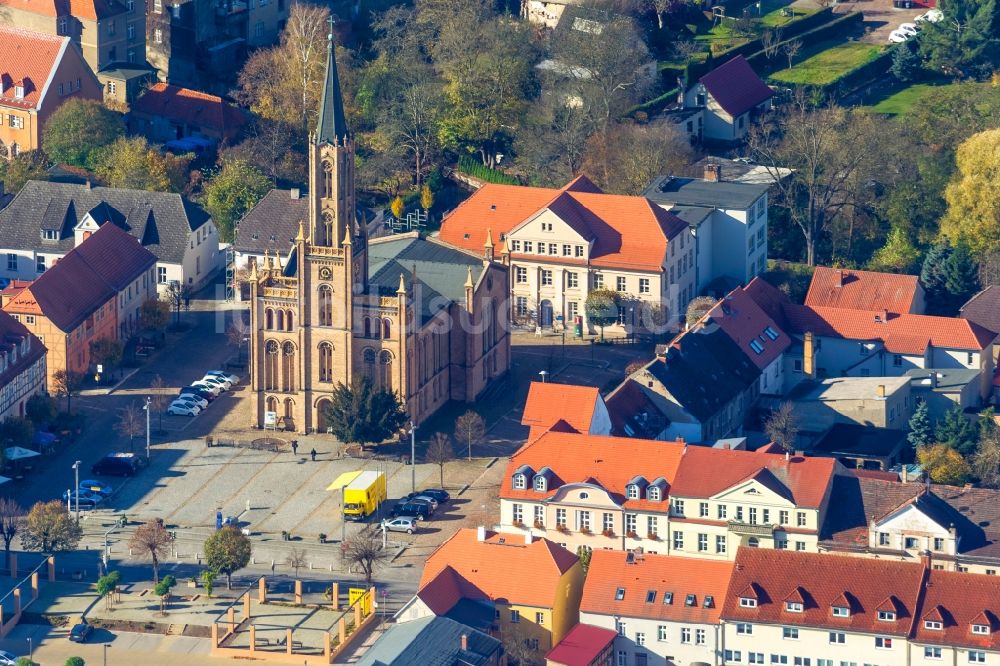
{"x":782,"y":426}
{"x":296,"y":559}
{"x":159,"y":398}
{"x":11,"y":520}
{"x":791,"y":49}
{"x":770,"y":41}
{"x":470,"y":427}
{"x":440,"y":452}
{"x":364,"y":550}
{"x":151,"y":539}
{"x":131,"y":423}
{"x":238,"y":334}
{"x":66,"y":383}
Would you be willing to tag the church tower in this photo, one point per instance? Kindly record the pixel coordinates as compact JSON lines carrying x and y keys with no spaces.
{"x":331,"y":165}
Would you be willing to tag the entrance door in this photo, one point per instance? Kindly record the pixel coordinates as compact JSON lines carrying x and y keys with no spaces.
{"x":545,"y":313}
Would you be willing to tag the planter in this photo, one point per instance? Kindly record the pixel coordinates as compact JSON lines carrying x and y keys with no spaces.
{"x":586,"y":531}
{"x":609,"y":533}
{"x":518,"y":524}
{"x":563,"y":529}
{"x":653,"y":536}
{"x":193,"y":583}
{"x":632,"y":535}
{"x":539,"y":525}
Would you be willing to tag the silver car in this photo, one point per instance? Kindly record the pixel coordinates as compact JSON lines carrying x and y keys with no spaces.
{"x":400,"y":524}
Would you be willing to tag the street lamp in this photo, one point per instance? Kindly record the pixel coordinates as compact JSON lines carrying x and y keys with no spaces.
{"x":106,"y":646}
{"x":543,"y":374}
{"x":413,"y":457}
{"x":145,"y":407}
{"x":76,"y":472}
{"x":31,"y":650}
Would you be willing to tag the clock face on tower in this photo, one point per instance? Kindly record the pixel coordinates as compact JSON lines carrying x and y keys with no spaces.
{"x":325,"y":273}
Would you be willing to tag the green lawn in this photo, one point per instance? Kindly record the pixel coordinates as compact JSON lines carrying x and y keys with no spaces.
{"x":899,"y":99}
{"x":827,"y":62}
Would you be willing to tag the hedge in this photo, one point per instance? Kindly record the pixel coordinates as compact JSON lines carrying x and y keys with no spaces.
{"x":471,"y":167}
{"x":657,"y":103}
{"x":793,"y":29}
{"x":860,"y":75}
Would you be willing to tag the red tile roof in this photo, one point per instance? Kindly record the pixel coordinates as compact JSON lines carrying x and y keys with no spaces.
{"x":958,"y":600}
{"x":609,"y":462}
{"x":83,"y":9}
{"x":743,"y":320}
{"x":627,"y":232}
{"x":610,"y":570}
{"x":862,"y":290}
{"x":30,"y":59}
{"x":704,"y":472}
{"x":822,"y":580}
{"x":581,"y":645}
{"x":486,"y":567}
{"x":86,"y":278}
{"x":446,"y":589}
{"x":190,"y":107}
{"x":548,"y":403}
{"x":901,"y":333}
{"x":736,"y":87}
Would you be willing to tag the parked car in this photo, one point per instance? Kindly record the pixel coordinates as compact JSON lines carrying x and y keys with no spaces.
{"x":7,"y":659}
{"x":80,"y":632}
{"x":418,"y":510}
{"x":400,"y":524}
{"x":96,"y":487}
{"x":183,"y":408}
{"x":87,"y":500}
{"x":196,"y":399}
{"x":439,"y":494}
{"x":215,"y":389}
{"x":908,"y":29}
{"x":214,"y":380}
{"x":116,"y":464}
{"x":232,"y":379}
{"x":202,"y":392}
{"x":421,"y":497}
{"x":931,"y":16}
{"x":897,"y":37}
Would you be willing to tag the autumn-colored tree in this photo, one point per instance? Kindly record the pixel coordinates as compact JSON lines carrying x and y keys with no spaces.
{"x":898,"y":255}
{"x":626,"y":158}
{"x":78,"y":128}
{"x":132,"y":163}
{"x":426,"y":197}
{"x":943,"y":464}
{"x":154,"y":314}
{"x":11,"y":520}
{"x":25,"y":166}
{"x":973,"y":203}
{"x":698,"y":308}
{"x":48,"y":527}
{"x":397,"y":207}
{"x":66,"y":383}
{"x":151,"y":539}
{"x":986,"y":461}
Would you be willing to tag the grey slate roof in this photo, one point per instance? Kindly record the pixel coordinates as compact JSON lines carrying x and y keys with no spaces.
{"x":441,"y":271}
{"x":430,"y":641}
{"x":272,"y":224}
{"x":160,"y":220}
{"x":696,"y":192}
{"x":984,"y":309}
{"x":332,"y":125}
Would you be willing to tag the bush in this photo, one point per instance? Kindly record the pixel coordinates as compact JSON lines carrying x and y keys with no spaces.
{"x":471,"y":167}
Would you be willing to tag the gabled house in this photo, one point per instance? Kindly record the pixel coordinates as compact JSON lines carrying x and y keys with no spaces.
{"x":46,"y":220}
{"x":38,"y":72}
{"x":865,"y":290}
{"x":702,"y":386}
{"x":577,"y":408}
{"x":94,"y":292}
{"x":731,"y":97}
{"x":665,"y":609}
{"x":563,"y":243}
{"x":22,"y":367}
{"x":537,"y":606}
{"x":166,"y":113}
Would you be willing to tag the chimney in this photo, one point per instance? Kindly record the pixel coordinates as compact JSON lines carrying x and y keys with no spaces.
{"x":295,"y":193}
{"x":925,"y":559}
{"x":808,"y":355}
{"x":481,"y":533}
{"x":465,"y":643}
{"x":880,"y":391}
{"x":713,"y":172}
{"x":788,"y":456}
{"x":841,"y":276}
{"x":680,"y":440}
{"x":904,"y":474}
{"x":885,"y":315}
{"x":86,"y":185}
{"x":528,"y":538}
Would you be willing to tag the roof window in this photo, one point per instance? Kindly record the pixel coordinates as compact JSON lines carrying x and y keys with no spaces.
{"x":619,"y":594}
{"x":708,"y":601}
{"x":668,"y":598}
{"x":771,"y":333}
{"x":981,"y":629}
{"x":756,"y":346}
{"x":650,"y":596}
{"x":691,"y":600}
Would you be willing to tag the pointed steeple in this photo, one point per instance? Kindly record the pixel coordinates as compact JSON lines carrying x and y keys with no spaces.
{"x":332,"y":125}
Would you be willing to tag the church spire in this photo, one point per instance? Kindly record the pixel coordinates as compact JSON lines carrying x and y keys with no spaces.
{"x":332,"y":125}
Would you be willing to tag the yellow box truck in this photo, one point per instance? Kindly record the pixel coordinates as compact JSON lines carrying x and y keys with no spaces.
{"x":363,"y":495}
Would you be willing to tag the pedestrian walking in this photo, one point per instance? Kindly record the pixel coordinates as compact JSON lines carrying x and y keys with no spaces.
{"x":295,"y":447}
{"x":313,"y":454}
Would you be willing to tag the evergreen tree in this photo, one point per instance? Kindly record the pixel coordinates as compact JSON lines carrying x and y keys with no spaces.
{"x":932,"y":274}
{"x":364,"y":413}
{"x":961,"y":276}
{"x":921,"y":432}
{"x":905,"y":63}
{"x":957,"y":432}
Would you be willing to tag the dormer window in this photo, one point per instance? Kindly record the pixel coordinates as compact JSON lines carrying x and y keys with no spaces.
{"x":653,"y":494}
{"x":886,"y":616}
{"x":520,"y":482}
{"x":540,"y":483}
{"x":748,"y":602}
{"x":933,"y":625}
{"x":19,"y":91}
{"x":793,"y":606}
{"x":632,"y":491}
{"x":50,"y":235}
{"x":841,"y":611}
{"x":981,"y":629}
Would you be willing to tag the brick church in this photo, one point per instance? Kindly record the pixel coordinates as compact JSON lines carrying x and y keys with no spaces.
{"x":416,"y":315}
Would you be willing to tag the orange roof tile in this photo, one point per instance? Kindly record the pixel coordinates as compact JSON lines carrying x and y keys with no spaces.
{"x":901,"y":333}
{"x":627,"y":232}
{"x":960,"y":600}
{"x":581,"y":646}
{"x":703,"y":472}
{"x":190,"y":106}
{"x":822,"y":580}
{"x":548,"y":403}
{"x":610,"y":462}
{"x":862,"y":290}
{"x":743,"y":320}
{"x":90,"y":10}
{"x":28,"y":59}
{"x":610,"y":570}
{"x":485,"y":567}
